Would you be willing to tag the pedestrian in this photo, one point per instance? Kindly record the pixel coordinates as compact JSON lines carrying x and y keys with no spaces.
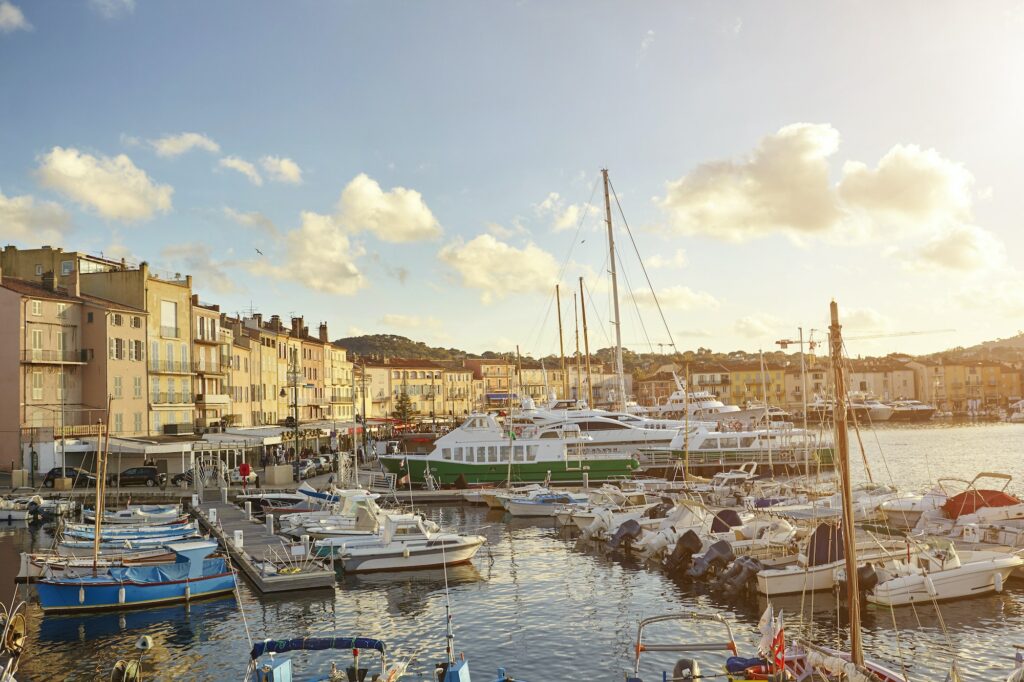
{"x":244,"y":470}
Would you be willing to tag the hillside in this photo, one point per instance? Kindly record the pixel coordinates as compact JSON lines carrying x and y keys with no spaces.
{"x":394,"y":346}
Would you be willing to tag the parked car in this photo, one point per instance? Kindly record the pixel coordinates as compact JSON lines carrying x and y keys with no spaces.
{"x":83,"y":479}
{"x":323,"y":464}
{"x":303,"y":469}
{"x":236,"y":477}
{"x":146,"y":475}
{"x":186,"y":476}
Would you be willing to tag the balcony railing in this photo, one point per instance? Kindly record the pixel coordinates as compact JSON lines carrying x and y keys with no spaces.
{"x":213,"y":398}
{"x":170,"y":332}
{"x":56,"y":356}
{"x":204,"y":367}
{"x":171,"y":398}
{"x":169,"y":366}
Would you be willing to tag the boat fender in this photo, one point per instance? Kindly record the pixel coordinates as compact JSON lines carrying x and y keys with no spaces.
{"x":930,"y":586}
{"x":120,"y":594}
{"x":188,"y":591}
{"x":998,"y":582}
{"x":686,"y":668}
{"x":405,"y":550}
{"x":81,"y":595}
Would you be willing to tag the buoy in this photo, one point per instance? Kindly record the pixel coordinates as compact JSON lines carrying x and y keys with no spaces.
{"x":120,"y":595}
{"x":81,"y":595}
{"x":405,"y":550}
{"x":930,"y":586}
{"x":998,"y":582}
{"x":188,"y":591}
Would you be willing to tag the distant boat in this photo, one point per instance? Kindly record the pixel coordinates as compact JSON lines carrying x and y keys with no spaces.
{"x":194,"y":574}
{"x":136,"y":514}
{"x":910,"y":411}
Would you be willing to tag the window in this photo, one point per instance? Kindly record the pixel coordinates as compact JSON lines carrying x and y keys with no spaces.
{"x":117,"y":320}
{"x":118,"y":422}
{"x":61,"y":385}
{"x":446,"y":453}
{"x":117,"y":388}
{"x":88,"y":318}
{"x":184,"y":358}
{"x":154,"y":390}
{"x":119,"y":348}
{"x":37,"y":385}
{"x":37,"y":341}
{"x":138,"y":349}
{"x":62,"y":341}
{"x":138,"y":422}
{"x":39,"y":269}
{"x":168,"y":318}
{"x":136,"y":390}
{"x":62,"y":310}
{"x":156,"y":422}
{"x":66,"y":267}
{"x":492,"y":453}
{"x":136,"y":322}
{"x":37,"y":307}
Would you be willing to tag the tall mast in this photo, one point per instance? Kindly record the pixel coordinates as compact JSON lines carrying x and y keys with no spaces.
{"x":615,"y":295}
{"x":101,"y":487}
{"x":843,"y":447}
{"x":586,"y":346}
{"x":561,"y":344}
{"x":579,"y":366}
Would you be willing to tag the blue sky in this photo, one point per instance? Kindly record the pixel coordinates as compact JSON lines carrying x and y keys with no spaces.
{"x":422,"y":168}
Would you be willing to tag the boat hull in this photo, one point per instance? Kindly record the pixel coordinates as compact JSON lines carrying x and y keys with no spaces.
{"x":967,"y":581}
{"x":571,"y":471}
{"x":794,"y":580}
{"x":413,"y":556}
{"x":75,"y":595}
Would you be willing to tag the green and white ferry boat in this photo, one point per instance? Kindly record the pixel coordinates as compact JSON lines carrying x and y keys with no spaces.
{"x":481,"y":450}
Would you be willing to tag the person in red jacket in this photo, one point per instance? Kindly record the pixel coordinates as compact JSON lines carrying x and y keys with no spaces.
{"x":244,"y":470}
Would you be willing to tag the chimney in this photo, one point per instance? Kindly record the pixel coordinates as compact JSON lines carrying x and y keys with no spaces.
{"x":49,"y":281}
{"x":297,"y":326}
{"x":305,"y":331}
{"x":195,"y":299}
{"x":323,"y":332}
{"x":275,"y":322}
{"x":74,"y":284}
{"x":259,"y":319}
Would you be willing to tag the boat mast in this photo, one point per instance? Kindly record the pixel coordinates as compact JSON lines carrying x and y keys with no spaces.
{"x":843,"y":447}
{"x":586,"y":347}
{"x":561,"y":344}
{"x":803,"y":396}
{"x":579,"y":365}
{"x":101,"y":485}
{"x":767,"y":420}
{"x":615,"y":295}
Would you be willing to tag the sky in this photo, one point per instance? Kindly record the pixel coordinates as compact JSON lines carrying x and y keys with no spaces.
{"x":433,"y":169}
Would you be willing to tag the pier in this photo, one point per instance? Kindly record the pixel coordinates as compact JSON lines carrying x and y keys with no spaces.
{"x":270,"y":563}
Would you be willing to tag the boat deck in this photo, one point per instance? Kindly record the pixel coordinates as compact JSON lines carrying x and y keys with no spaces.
{"x":294,"y":569}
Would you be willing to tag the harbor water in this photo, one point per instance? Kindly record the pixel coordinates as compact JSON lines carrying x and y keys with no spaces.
{"x":542,"y":604}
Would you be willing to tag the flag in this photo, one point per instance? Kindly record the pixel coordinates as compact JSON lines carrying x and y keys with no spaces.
{"x":404,"y":480}
{"x":766,"y":626}
{"x":779,"y":645}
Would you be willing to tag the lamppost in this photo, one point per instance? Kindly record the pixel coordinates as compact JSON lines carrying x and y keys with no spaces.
{"x":293,"y":381}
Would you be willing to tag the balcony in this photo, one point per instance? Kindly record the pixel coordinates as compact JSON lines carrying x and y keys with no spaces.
{"x":169,"y":367}
{"x":171,"y":398}
{"x":202,"y":367}
{"x":213,"y":399}
{"x":170,"y":332}
{"x":209,"y":340}
{"x":56,"y":357}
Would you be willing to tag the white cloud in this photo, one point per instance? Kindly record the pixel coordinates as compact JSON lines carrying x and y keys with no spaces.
{"x":677,"y":297}
{"x":280,"y":169}
{"x":319,"y":255}
{"x":243,"y":167}
{"x":397,"y":215}
{"x":964,"y":248}
{"x":502,"y":232}
{"x":175,"y":145}
{"x":412,"y":322}
{"x":563,"y":217}
{"x":676,"y":260}
{"x":864,"y":321}
{"x":498,"y":269}
{"x":23,"y":219}
{"x":12,"y":19}
{"x":113,"y":8}
{"x":113,"y":186}
{"x":756,"y":326}
{"x":251,"y":219}
{"x":783,"y":186}
{"x":196,"y":259}
{"x":645,"y":45}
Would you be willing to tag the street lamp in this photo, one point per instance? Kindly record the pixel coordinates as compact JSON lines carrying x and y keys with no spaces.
{"x":293,"y":381}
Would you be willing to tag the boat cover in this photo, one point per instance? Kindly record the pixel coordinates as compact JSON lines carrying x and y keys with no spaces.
{"x":726,"y":520}
{"x":162,"y":573}
{"x":971,"y":501}
{"x":825,"y":545}
{"x":279,"y":646}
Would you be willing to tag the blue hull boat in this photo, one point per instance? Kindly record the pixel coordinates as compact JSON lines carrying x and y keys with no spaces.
{"x":193,"y":575}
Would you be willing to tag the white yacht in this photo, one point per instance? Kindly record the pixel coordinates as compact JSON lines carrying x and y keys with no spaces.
{"x":910,"y":411}
{"x":877,"y":411}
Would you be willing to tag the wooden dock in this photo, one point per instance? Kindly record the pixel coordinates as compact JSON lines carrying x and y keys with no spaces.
{"x":271,"y":563}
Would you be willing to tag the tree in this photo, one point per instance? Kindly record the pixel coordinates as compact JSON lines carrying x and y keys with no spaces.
{"x":403,"y":407}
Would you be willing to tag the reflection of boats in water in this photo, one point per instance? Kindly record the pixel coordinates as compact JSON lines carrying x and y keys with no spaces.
{"x":179,"y":622}
{"x":407,"y":592}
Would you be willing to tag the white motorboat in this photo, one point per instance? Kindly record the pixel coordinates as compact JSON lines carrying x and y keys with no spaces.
{"x":20,"y":509}
{"x":905,"y":511}
{"x":138,"y":514}
{"x":404,"y":527}
{"x":910,"y":411}
{"x":877,"y":411}
{"x":356,"y":514}
{"x":390,"y":552}
{"x":937,"y":572}
{"x":606,"y":497}
{"x":974,"y":507}
{"x":543,"y":505}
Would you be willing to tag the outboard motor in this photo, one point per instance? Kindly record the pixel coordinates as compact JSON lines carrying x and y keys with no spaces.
{"x":712,"y":561}
{"x":867,"y":578}
{"x":740,"y":579}
{"x":626,"y":534}
{"x":682,"y":556}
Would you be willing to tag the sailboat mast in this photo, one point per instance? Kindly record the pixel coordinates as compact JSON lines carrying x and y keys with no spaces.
{"x":586,"y":346}
{"x":579,"y":366}
{"x":561,"y":343}
{"x":101,"y":487}
{"x":843,"y":448}
{"x":615,"y":295}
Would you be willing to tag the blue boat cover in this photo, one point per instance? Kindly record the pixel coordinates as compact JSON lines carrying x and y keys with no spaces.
{"x":279,"y":646}
{"x":162,"y":573}
{"x":737,"y":664}
{"x":319,"y":495}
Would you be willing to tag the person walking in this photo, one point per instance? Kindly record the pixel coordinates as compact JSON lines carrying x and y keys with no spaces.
{"x":244,"y":470}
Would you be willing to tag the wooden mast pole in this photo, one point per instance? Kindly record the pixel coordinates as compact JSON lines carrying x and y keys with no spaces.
{"x":101,"y":485}
{"x":579,"y":366}
{"x":843,"y":450}
{"x":561,"y":343}
{"x":586,"y":346}
{"x":615,"y":295}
